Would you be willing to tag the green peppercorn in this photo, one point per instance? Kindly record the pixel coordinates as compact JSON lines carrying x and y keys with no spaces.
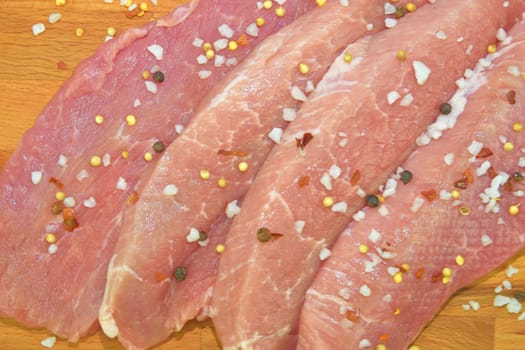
{"x":372,"y":201}
{"x":158,"y":76}
{"x":400,"y":11}
{"x":203,"y":236}
{"x":264,"y":234}
{"x":159,"y":147}
{"x":57,"y":207}
{"x":445,"y":108}
{"x":405,"y":176}
{"x":180,"y":273}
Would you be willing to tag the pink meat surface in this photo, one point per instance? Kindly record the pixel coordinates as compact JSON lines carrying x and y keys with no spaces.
{"x":361,"y":133}
{"x":396,"y":287}
{"x":60,"y":286}
{"x":198,"y":177}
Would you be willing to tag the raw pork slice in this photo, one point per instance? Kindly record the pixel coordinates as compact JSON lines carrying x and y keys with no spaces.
{"x":358,"y":125}
{"x":389,"y":274}
{"x":204,"y":173}
{"x":97,"y":136}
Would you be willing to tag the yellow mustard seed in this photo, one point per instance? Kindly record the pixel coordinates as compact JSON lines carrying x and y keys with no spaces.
{"x":144,"y":6}
{"x":131,"y":119}
{"x":145,"y":75}
{"x":517,"y":127}
{"x":243,"y":166}
{"x":267,"y":4}
{"x":455,"y":194}
{"x":60,"y":196}
{"x":125,"y":154}
{"x":328,"y":201}
{"x":222,"y":182}
{"x":460,"y":260}
{"x":141,"y":13}
{"x":60,"y":2}
{"x":260,"y":21}
{"x":128,"y":3}
{"x":381,"y":347}
{"x":401,"y":54}
{"x":95,"y":161}
{"x":414,"y":347}
{"x":50,"y":238}
{"x":204,"y":174}
{"x":397,"y":311}
{"x":348,"y":57}
{"x":79,"y":32}
{"x":148,"y":156}
{"x":491,"y":48}
{"x":398,"y":277}
{"x":99,"y":119}
{"x":303,"y":68}
{"x":320,"y":2}
{"x":445,"y":280}
{"x":232,"y":45}
{"x":411,"y":7}
{"x":219,"y":248}
{"x":210,"y":54}
{"x":406,"y":267}
{"x":447,"y":272}
{"x":363,"y":248}
{"x":111,"y":31}
{"x":508,"y":146}
{"x":514,"y":209}
{"x":206,"y":46}
{"x":280,"y":11}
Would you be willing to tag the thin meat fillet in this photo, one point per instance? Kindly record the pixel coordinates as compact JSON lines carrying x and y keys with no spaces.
{"x":389,"y":274}
{"x":105,"y":128}
{"x":355,"y":129}
{"x":203,"y":175}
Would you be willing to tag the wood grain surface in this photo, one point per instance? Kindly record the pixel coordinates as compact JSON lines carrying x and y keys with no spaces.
{"x":29,"y":76}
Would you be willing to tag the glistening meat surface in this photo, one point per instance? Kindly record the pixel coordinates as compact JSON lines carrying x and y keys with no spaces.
{"x":90,"y":145}
{"x":209,"y":168}
{"x":364,"y":118}
{"x":389,"y":274}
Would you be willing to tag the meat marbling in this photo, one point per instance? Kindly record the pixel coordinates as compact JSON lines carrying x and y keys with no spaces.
{"x":364,"y":117}
{"x":93,"y":141}
{"x":387,"y":274}
{"x":199,"y":175}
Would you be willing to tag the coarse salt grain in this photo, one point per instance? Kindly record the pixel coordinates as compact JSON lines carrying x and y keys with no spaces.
{"x":62,"y":160}
{"x":179,"y":128}
{"x":374,"y":236}
{"x":69,"y":202}
{"x":193,"y":236}
{"x":48,"y":342}
{"x":474,"y":305}
{"x":340,"y":207}
{"x":514,"y":71}
{"x":151,"y":86}
{"x":52,"y":249}
{"x":416,"y":205}
{"x":54,"y":17}
{"x":390,"y":22}
{"x":38,"y":28}
{"x":334,"y":171}
{"x":122,"y":184}
{"x":204,"y":74}
{"x":441,"y":35}
{"x":324,"y":254}
{"x":82,"y":174}
{"x":501,"y":300}
{"x":365,"y":291}
{"x":136,"y":103}
{"x":219,"y":60}
{"x":392,"y":97}
{"x":289,"y":114}
{"x":506,"y":284}
{"x":275,"y":135}
{"x":220,"y":44}
{"x":344,"y":3}
{"x":511,"y":271}
{"x":197,"y":42}
{"x":299,"y":226}
{"x":326,"y":181}
{"x":232,"y":209}
{"x":170,"y":190}
{"x":344,"y":293}
{"x":36,"y":177}
{"x":90,"y":202}
{"x":389,"y":9}
{"x":298,"y":94}
{"x":106,"y":159}
{"x":201,"y":59}
{"x":364,"y":343}
{"x":406,"y":100}
{"x":383,"y":210}
{"x":421,"y":71}
{"x":225,"y":30}
{"x":157,"y":51}
{"x":252,"y":30}
{"x":358,"y":216}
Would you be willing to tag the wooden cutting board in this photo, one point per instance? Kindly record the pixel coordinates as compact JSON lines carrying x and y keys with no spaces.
{"x":30,"y":74}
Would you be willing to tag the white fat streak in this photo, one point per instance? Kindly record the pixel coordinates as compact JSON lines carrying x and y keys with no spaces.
{"x":223,"y":96}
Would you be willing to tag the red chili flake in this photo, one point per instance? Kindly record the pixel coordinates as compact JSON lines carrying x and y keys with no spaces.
{"x":419,"y":273}
{"x":352,"y":315}
{"x":276,"y":235}
{"x":135,"y":12}
{"x":70,"y":224}
{"x":467,"y":175}
{"x":437,"y":277}
{"x":511,"y":97}
{"x":401,"y":268}
{"x":224,"y":152}
{"x":430,"y":195}
{"x":307,"y":137}
{"x":133,"y":198}
{"x":491,"y":172}
{"x":68,"y":213}
{"x":461,"y":184}
{"x":159,"y":276}
{"x":507,"y":186}
{"x":243,"y":40}
{"x":484,"y":153}
{"x":56,"y":182}
{"x":304,"y":181}
{"x":384,"y":337}
{"x":356,"y":176}
{"x":61,"y":65}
